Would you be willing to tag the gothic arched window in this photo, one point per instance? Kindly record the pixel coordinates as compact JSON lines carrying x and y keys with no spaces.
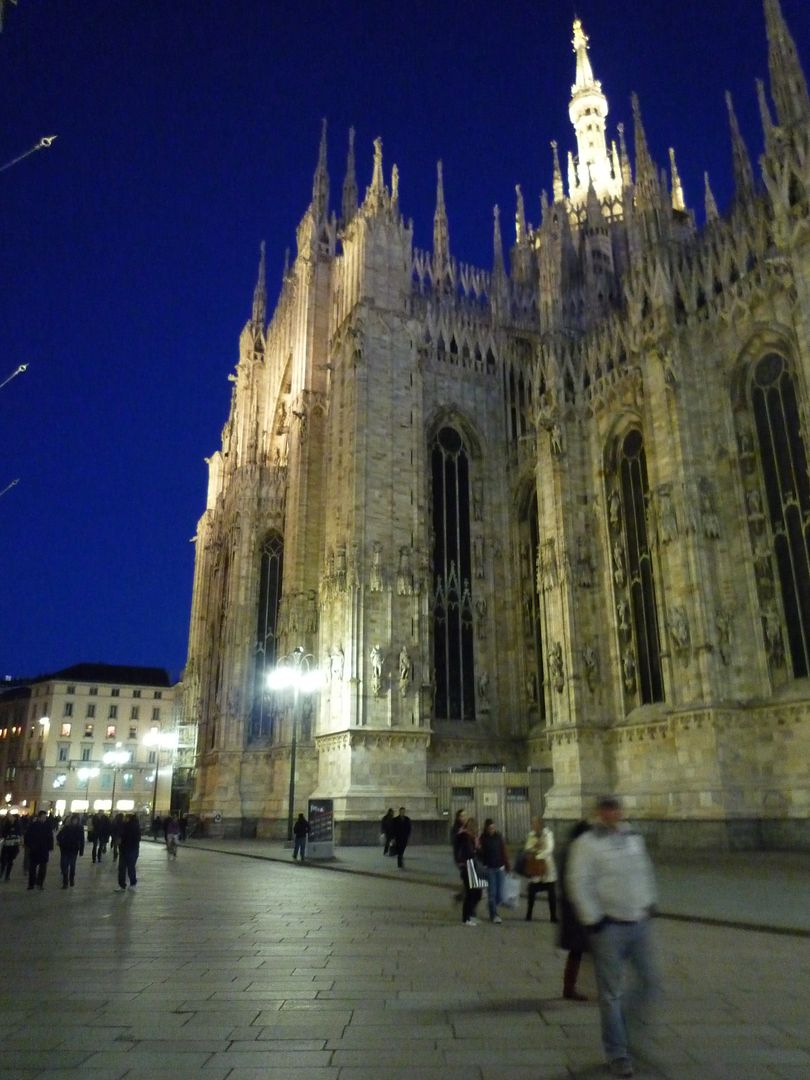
{"x":452,"y":600}
{"x":635,"y":583}
{"x":270,"y":573}
{"x":787,"y":496}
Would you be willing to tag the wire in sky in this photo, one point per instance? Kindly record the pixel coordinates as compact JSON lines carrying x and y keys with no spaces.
{"x":43,"y":144}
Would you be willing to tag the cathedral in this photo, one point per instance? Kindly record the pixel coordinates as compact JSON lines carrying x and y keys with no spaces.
{"x":554,"y":514}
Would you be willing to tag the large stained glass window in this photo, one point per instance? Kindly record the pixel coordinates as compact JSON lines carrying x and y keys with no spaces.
{"x":270,"y":574}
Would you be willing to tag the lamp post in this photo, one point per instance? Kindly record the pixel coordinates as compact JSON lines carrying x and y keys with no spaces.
{"x":160,"y":740}
{"x":296,"y":671}
{"x":115,"y":759}
{"x":86,"y":774}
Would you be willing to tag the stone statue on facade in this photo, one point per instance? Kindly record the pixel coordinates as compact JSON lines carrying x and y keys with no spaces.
{"x":618,"y":563}
{"x":377,"y":658}
{"x":679,"y":628}
{"x":623,"y":617}
{"x":405,"y":668}
{"x":404,"y":573}
{"x":708,"y":512}
{"x":722,"y":622}
{"x":590,"y":662}
{"x":555,"y":667}
{"x":629,"y":671}
{"x":667,"y":521}
{"x":614,"y":509}
{"x":336,"y":661}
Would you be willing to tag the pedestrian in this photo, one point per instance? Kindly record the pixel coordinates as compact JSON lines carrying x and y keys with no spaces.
{"x":611,"y":883}
{"x":466,"y":852}
{"x":70,"y":839}
{"x":300,"y":834}
{"x":10,"y":842}
{"x":387,"y":831}
{"x":402,"y":833}
{"x":157,"y":826}
{"x":539,"y":867}
{"x":129,"y":843}
{"x":494,"y":858}
{"x":573,"y":936}
{"x":116,"y":825}
{"x":39,"y":845}
{"x":458,"y":823}
{"x":172,"y":835}
{"x":183,"y":822}
{"x":101,"y":835}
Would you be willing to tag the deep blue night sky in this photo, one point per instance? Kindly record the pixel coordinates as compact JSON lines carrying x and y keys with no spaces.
{"x":188,"y":132}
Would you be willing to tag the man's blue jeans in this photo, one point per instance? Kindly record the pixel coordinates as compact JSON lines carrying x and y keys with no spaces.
{"x":300,"y":847}
{"x":495,"y":890}
{"x":613,"y":947}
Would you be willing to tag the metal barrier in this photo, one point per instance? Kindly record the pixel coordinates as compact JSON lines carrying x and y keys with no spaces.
{"x":511,"y":799}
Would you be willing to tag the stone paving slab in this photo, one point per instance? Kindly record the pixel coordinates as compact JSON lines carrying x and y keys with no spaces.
{"x":366,"y":978}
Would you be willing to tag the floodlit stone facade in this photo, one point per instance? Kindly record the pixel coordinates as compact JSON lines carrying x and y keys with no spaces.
{"x":551,"y":514}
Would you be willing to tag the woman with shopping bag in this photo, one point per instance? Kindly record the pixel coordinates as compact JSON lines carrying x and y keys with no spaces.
{"x":466,"y":857}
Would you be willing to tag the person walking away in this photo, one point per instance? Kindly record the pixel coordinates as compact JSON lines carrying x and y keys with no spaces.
{"x":540,"y":868}
{"x":39,"y":845}
{"x":402,"y":833}
{"x":101,"y":835}
{"x":129,"y":844}
{"x":467,"y":849}
{"x":387,"y":831}
{"x":70,"y":839}
{"x":300,"y":834}
{"x":10,"y":843}
{"x":495,"y":860}
{"x":157,"y":826}
{"x":573,"y":936}
{"x":116,"y":825}
{"x":611,"y":883}
{"x":172,"y":835}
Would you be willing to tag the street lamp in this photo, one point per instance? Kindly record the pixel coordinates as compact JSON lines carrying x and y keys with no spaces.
{"x":296,"y":671}
{"x":160,"y":740}
{"x":86,"y":774}
{"x":115,"y":759}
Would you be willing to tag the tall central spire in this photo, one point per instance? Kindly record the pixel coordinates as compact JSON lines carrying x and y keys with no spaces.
{"x":788,"y":85}
{"x":320,"y":182}
{"x":588,"y":110}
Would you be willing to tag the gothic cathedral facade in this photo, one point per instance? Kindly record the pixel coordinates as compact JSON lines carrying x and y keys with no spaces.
{"x":552,"y":514}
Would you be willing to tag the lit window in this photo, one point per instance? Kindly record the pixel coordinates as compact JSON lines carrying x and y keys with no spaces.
{"x":65,"y":731}
{"x":110,"y":731}
{"x":88,"y":731}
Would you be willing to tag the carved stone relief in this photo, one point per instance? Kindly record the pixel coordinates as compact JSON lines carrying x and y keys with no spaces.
{"x":555,"y":667}
{"x":376,"y":582}
{"x":590,"y":664}
{"x":377,"y":658}
{"x":405,"y":670}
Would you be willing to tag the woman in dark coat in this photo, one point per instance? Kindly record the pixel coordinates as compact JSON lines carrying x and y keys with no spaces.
{"x":573,"y":935}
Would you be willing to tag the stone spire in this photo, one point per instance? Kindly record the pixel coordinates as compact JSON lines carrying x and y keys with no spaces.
{"x":376,"y":192}
{"x":764,"y":110}
{"x":646,"y":175}
{"x":743,"y":173}
{"x":497,"y":244}
{"x":320,"y":182}
{"x":587,"y":111}
{"x":624,"y":158}
{"x":395,"y":188}
{"x":349,"y":201}
{"x":788,"y":85}
{"x":520,"y":216}
{"x":712,"y":213}
{"x":441,"y":231}
{"x":678,"y":201}
{"x":557,"y":191}
{"x":259,"y":315}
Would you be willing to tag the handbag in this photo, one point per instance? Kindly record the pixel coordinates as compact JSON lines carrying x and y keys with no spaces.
{"x":534,"y":867}
{"x":474,"y":878}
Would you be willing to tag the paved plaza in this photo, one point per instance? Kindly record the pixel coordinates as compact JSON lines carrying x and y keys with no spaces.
{"x":228,"y":968}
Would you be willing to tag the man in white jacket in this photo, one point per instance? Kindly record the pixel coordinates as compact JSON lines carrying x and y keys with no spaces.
{"x":610,"y":881}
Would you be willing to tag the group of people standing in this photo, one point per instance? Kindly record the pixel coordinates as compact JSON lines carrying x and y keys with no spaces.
{"x":605,"y":892}
{"x":37,"y":837}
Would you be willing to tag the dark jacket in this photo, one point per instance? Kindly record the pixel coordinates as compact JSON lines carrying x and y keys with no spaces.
{"x":492,"y":851}
{"x":401,"y":831}
{"x":39,"y":839}
{"x":301,"y":827}
{"x":71,"y":839}
{"x":465,"y":848}
{"x":387,"y":826}
{"x":129,"y":838}
{"x":573,"y":935}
